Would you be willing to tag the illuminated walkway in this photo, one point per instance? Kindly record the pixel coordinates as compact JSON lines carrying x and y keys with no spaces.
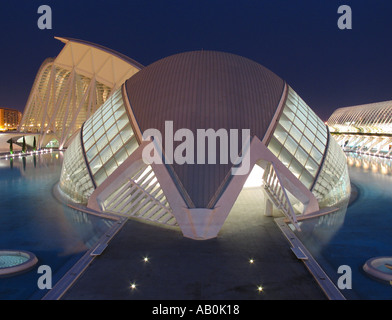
{"x":180,"y":268}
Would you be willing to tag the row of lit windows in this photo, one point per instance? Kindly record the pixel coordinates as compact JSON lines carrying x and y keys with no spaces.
{"x":108,"y":138}
{"x":299,"y":139}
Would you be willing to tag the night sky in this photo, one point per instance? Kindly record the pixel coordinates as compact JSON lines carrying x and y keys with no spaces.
{"x":299,"y":40}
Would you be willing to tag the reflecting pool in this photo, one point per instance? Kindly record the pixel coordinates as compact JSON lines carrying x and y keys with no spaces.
{"x":356,"y":233}
{"x":32,"y":219}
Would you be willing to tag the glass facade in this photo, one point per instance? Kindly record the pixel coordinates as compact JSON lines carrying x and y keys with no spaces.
{"x":108,"y":138}
{"x":333,"y":183}
{"x":299,"y":139}
{"x":75,"y":179}
{"x":302,"y":143}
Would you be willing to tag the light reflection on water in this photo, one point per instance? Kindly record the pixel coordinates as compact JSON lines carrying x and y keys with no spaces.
{"x":32,"y":219}
{"x":359,"y":231}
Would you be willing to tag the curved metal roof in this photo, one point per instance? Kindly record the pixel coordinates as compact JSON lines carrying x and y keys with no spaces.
{"x":202,"y":90}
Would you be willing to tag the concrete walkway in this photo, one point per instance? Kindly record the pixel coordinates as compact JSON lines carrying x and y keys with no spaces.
{"x":185,"y":269}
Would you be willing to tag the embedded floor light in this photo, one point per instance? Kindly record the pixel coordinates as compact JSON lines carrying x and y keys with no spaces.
{"x":133,"y":286}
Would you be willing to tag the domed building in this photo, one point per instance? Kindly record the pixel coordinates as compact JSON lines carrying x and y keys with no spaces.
{"x":181,"y":137}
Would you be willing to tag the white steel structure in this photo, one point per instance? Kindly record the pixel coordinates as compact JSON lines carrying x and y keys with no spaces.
{"x":302,"y":168}
{"x":364,"y":129}
{"x":70,"y":88}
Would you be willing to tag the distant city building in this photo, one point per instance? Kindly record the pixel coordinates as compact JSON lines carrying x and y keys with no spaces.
{"x":300,"y":167}
{"x":9,"y":119}
{"x":364,"y":128}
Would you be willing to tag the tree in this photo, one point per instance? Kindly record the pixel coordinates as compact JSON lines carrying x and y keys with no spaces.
{"x":35,"y":145}
{"x":11,"y":147}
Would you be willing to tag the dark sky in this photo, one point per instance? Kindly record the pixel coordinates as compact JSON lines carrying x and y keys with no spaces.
{"x":297,"y":39}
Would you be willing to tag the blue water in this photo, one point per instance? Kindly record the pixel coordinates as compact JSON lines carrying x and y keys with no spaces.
{"x":32,"y":219}
{"x":363,"y":231}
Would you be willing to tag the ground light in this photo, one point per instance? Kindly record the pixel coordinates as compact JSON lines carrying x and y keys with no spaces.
{"x":259,"y":289}
{"x":133,"y":286}
{"x":251,"y":261}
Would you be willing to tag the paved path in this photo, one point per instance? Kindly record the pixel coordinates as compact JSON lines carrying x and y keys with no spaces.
{"x":185,"y":269}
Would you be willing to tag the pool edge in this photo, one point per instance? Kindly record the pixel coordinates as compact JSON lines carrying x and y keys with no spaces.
{"x":322,"y":279}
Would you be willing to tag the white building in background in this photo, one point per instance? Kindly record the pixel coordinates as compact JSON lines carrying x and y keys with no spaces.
{"x":68,"y":89}
{"x":364,"y":128}
{"x":300,"y":167}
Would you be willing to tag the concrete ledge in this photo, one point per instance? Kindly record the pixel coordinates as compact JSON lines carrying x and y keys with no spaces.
{"x":326,"y":284}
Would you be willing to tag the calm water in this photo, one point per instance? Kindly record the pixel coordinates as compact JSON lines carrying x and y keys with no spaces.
{"x":32,"y":219}
{"x":363,"y":231}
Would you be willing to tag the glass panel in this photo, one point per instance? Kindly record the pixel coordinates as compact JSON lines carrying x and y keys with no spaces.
{"x":112,"y":132}
{"x":291,"y":104}
{"x":319,"y":145}
{"x":285,"y":157}
{"x":97,"y":125}
{"x":301,"y":155}
{"x":285,"y":122}
{"x":303,"y":108}
{"x":106,"y":154}
{"x":100,"y":176}
{"x":109,"y":122}
{"x":289,"y":114}
{"x":110,"y":167}
{"x":132,"y":145}
{"x":102,"y":142}
{"x":291,"y":145}
{"x":126,"y":133}
{"x":118,"y":106}
{"x":116,"y":143}
{"x":121,"y":156}
{"x":91,"y":153}
{"x":322,"y":138}
{"x":312,"y":116}
{"x":275,"y":146}
{"x":306,"y":179}
{"x":123,"y":121}
{"x":296,"y":168}
{"x":295,"y":133}
{"x":87,"y":126}
{"x":316,"y":155}
{"x":312,"y":128}
{"x":309,"y":135}
{"x":95,"y":165}
{"x":107,"y":115}
{"x":312,"y":167}
{"x":305,"y":143}
{"x":119,"y":113}
{"x":99,"y":133}
{"x":89,"y":143}
{"x":87,"y":134}
{"x":299,"y":124}
{"x":300,"y":115}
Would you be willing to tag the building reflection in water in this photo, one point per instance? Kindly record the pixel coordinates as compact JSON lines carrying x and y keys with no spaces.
{"x":317,"y":232}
